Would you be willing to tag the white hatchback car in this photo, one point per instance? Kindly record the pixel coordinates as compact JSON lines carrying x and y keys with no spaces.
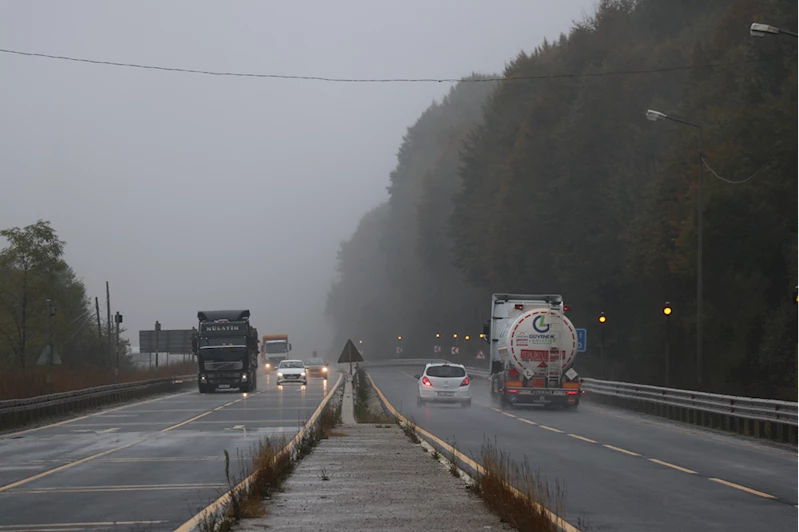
{"x":445,"y":383}
{"x":292,"y":371}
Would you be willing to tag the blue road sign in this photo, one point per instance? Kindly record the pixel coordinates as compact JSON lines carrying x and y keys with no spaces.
{"x":582,"y":340}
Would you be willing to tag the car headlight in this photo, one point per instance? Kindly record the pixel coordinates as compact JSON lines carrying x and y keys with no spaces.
{"x":302,"y":374}
{"x":268,"y":365}
{"x":244,"y":376}
{"x":279,"y":374}
{"x":324,"y":370}
{"x":202,"y":378}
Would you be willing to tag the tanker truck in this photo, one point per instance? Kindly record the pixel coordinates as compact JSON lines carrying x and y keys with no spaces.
{"x":532,"y":350}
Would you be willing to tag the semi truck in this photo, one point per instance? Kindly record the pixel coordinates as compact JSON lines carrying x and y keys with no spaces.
{"x":274,"y":349}
{"x":532,"y":351}
{"x":226,"y":347}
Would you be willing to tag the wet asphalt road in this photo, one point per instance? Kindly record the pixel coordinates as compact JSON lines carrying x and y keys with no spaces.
{"x":622,"y":471}
{"x":149,"y":465}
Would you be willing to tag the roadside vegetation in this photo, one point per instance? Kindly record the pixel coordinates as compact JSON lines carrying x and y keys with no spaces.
{"x":33,"y":270}
{"x":269,"y":466}
{"x":368,"y":408}
{"x":31,"y":382}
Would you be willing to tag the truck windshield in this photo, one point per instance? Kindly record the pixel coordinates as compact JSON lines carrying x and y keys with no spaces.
{"x":223,"y":353}
{"x":240,"y":341}
{"x":276,"y":347}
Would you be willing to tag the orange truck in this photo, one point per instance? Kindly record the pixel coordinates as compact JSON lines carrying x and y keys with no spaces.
{"x":274,"y":349}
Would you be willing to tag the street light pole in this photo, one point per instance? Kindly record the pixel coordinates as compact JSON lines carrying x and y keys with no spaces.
{"x":654,"y":116}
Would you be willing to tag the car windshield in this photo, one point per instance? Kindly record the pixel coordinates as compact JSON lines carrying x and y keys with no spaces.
{"x":291,"y":364}
{"x":445,"y":371}
{"x":314,"y":363}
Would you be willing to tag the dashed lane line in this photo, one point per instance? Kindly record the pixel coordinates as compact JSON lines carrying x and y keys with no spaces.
{"x":69,"y":465}
{"x":673,"y":466}
{"x":589,"y":440}
{"x":619,"y":449}
{"x":743,"y":488}
{"x":653,"y":460}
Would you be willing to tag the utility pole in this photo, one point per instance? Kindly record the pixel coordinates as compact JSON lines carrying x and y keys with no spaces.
{"x":118,"y":320}
{"x":108,"y":309}
{"x":99,"y":327}
{"x":157,"y":330}
{"x":602,"y":320}
{"x":667,"y":310}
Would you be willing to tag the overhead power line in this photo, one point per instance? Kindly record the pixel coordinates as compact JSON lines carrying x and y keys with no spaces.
{"x":732,"y":182}
{"x":389,"y":80}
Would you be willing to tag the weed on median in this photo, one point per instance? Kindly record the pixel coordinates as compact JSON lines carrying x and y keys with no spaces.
{"x":517,"y":494}
{"x":367,"y":408}
{"x":265,"y":473}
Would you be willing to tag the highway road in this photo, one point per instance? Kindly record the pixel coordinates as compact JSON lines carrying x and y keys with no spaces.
{"x":149,"y":465}
{"x":622,"y":471}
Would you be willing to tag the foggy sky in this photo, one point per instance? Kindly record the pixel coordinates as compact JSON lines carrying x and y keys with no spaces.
{"x":191,"y":192}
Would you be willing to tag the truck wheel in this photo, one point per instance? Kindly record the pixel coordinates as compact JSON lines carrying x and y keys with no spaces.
{"x":210,"y":388}
{"x":202,"y":387}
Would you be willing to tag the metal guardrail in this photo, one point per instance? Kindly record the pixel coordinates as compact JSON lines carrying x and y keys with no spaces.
{"x":30,"y":403}
{"x":20,"y":412}
{"x":399,"y":362}
{"x":783,"y":412}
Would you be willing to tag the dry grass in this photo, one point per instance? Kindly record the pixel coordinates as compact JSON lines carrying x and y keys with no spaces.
{"x":31,"y":382}
{"x":268,"y":469}
{"x":525,"y":508}
{"x":364,"y":413}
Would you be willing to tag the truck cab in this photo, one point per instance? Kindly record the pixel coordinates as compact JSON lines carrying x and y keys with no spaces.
{"x":275,"y":348}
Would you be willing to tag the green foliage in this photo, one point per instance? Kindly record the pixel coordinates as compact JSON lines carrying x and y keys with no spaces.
{"x":32,"y":270}
{"x":562,"y":185}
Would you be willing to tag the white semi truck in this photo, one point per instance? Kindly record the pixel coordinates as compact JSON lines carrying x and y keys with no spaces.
{"x":532,"y":350}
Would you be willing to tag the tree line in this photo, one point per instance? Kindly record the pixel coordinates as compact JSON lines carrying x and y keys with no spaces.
{"x":545,"y":182}
{"x":33,"y":270}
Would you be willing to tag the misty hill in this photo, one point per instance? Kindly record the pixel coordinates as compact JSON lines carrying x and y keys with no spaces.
{"x":561,"y":185}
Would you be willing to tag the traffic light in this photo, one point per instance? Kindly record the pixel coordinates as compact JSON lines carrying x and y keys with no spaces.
{"x":667,"y":310}
{"x":602,"y":318}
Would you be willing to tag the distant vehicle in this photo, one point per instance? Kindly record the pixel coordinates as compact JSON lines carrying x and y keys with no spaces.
{"x":533,"y":346}
{"x":444,"y":383}
{"x":316,"y":367}
{"x":226,"y":347}
{"x":291,"y":371}
{"x":274,"y":349}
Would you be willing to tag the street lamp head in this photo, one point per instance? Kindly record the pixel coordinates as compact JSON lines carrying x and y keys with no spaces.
{"x":399,"y":337}
{"x":602,"y":318}
{"x":667,"y":310}
{"x":455,"y":335}
{"x":438,"y":335}
{"x":654,"y":116}
{"x":466,"y":337}
{"x":760,"y":30}
{"x":482,"y":335}
{"x":360,"y":341}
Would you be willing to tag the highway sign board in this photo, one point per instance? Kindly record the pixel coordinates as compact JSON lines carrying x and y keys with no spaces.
{"x":582,"y":340}
{"x":454,"y":351}
{"x":481,"y":355}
